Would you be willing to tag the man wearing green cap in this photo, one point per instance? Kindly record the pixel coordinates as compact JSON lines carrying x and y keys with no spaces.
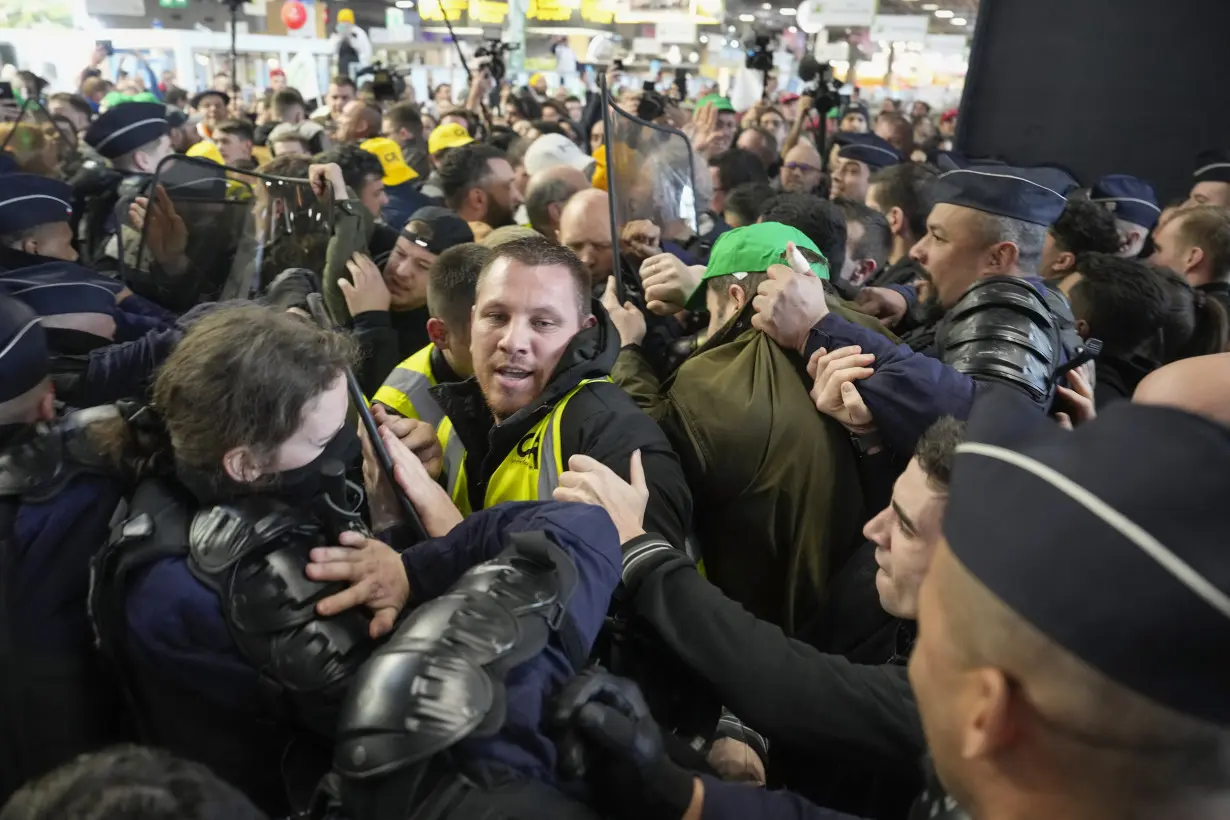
{"x":778,"y":482}
{"x":715,"y":125}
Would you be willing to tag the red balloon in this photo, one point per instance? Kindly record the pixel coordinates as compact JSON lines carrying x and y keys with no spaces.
{"x":294,"y":14}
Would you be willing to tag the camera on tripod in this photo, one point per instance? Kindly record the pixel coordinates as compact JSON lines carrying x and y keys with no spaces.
{"x":822,"y":87}
{"x":494,"y":51}
{"x":388,"y":84}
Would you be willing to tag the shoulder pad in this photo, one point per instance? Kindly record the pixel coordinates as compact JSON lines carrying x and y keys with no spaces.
{"x":1003,"y":330}
{"x":222,"y":535}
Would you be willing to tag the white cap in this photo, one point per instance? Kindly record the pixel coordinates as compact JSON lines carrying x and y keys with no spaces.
{"x":553,"y":150}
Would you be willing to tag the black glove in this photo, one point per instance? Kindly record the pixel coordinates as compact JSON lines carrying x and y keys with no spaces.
{"x":610,"y":737}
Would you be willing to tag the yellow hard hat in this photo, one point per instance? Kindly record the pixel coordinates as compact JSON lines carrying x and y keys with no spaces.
{"x":345,"y":16}
{"x":206,"y":150}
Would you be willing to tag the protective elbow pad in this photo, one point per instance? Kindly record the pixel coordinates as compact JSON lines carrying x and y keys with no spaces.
{"x":440,"y":677}
{"x":253,"y":552}
{"x":1003,"y":330}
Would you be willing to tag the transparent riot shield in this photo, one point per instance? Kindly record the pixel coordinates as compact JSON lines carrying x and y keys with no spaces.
{"x":40,"y":143}
{"x":204,"y":232}
{"x":650,"y":177}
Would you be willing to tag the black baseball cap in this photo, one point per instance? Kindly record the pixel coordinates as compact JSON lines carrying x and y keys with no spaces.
{"x":437,"y":229}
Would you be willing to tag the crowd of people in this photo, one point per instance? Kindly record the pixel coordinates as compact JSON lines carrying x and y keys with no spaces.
{"x":515,"y":454}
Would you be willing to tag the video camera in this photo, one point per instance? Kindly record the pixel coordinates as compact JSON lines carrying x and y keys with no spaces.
{"x":387,"y":83}
{"x":759,"y":57}
{"x":495,"y":50}
{"x":822,"y":88}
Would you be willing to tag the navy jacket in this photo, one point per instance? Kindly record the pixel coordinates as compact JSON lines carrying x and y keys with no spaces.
{"x":909,"y":391}
{"x":737,"y":801}
{"x":176,"y":622}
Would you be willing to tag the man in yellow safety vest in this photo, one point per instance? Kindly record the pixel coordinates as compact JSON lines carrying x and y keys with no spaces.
{"x":542,"y":350}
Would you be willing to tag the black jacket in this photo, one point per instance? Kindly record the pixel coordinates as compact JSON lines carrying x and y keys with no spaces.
{"x":1117,"y":377}
{"x":809,"y":705}
{"x":600,"y":421}
{"x":905,"y":271}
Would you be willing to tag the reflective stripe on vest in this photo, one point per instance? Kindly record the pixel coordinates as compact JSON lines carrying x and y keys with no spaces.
{"x":407,"y":389}
{"x":530,"y":471}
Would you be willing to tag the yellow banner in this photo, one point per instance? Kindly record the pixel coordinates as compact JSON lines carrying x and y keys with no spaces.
{"x":599,"y":12}
{"x":488,"y":12}
{"x":434,"y":10}
{"x":555,"y":11}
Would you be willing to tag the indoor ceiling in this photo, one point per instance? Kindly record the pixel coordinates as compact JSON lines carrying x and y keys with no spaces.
{"x":947,"y":16}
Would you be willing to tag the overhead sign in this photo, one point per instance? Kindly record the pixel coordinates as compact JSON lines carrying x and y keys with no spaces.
{"x":488,"y":12}
{"x":893,"y":28}
{"x":598,"y":12}
{"x":845,"y":13}
{"x":946,"y":43}
{"x":553,"y":11}
{"x":434,"y":10}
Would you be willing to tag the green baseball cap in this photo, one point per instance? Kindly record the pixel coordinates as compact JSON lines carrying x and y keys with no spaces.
{"x":752,"y":249}
{"x":719,"y":102}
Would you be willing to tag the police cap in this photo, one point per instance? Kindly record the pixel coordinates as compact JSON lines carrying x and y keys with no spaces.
{"x":872,"y":151}
{"x":1075,"y":534}
{"x":29,"y":200}
{"x":127,"y":127}
{"x":1036,"y":195}
{"x":24,"y":361}
{"x":1128,"y":198}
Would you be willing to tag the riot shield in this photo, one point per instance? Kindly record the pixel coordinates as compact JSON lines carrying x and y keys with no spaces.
{"x":45,"y":145}
{"x":650,"y":176}
{"x":204,"y":232}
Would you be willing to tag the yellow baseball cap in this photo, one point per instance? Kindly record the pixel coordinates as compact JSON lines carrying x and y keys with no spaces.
{"x":396,"y":171}
{"x":534,"y":78}
{"x":345,"y":16}
{"x":206,"y":150}
{"x":449,"y":135}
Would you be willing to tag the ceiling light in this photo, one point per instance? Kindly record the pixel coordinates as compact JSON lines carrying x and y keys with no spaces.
{"x":747,"y":18}
{"x":730,"y":29}
{"x":929,"y":7}
{"x":958,"y":21}
{"x":767,"y":6}
{"x":734,"y":44}
{"x":694,"y":57}
{"x":404,"y":4}
{"x":789,"y":12}
{"x":943,"y":14}
{"x":704,"y":39}
{"x":793,"y":29}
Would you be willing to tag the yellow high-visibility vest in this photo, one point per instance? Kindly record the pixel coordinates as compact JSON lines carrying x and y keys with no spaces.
{"x":407,"y":389}
{"x":530,"y":471}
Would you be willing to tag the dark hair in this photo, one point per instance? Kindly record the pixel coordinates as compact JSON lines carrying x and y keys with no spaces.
{"x":819,"y":220}
{"x":910,"y":187}
{"x":736,"y":167}
{"x":406,"y":115}
{"x":463,"y":169}
{"x":544,"y":127}
{"x":76,"y":101}
{"x":285,"y":100}
{"x":242,"y":376}
{"x":503,"y":138}
{"x":237,"y":128}
{"x":770,"y":110}
{"x":1122,"y":300}
{"x":877,"y":236}
{"x":745,"y":200}
{"x":937,"y":449}
{"x":1085,"y":227}
{"x":1193,"y":325}
{"x":538,"y":251}
{"x":557,"y":107}
{"x":130,"y":783}
{"x":357,"y":165}
{"x":175,"y":96}
{"x":525,"y":107}
{"x":572,"y":98}
{"x":342,"y":79}
{"x":466,"y":114}
{"x":452,"y":281}
{"x":1208,"y":227}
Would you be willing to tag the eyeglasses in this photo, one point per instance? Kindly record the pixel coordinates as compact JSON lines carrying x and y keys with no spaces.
{"x":800,"y":166}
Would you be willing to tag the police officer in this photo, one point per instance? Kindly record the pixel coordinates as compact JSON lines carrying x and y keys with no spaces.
{"x":134,"y":137}
{"x":1211,"y":179}
{"x":1134,"y":205}
{"x":858,"y":158}
{"x":1030,"y":707}
{"x":56,"y":498}
{"x":450,"y":300}
{"x":996,"y":320}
